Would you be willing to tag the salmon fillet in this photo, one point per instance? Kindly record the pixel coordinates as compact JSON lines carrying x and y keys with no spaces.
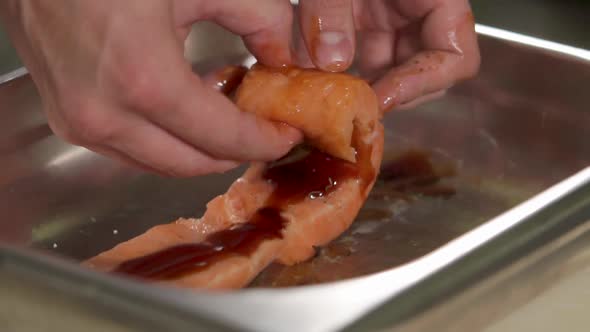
{"x":339,"y":116}
{"x":323,"y":105}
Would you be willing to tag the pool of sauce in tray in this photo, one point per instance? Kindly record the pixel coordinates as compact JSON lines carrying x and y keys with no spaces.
{"x":301,"y":174}
{"x":381,"y":237}
{"x":414,"y":173}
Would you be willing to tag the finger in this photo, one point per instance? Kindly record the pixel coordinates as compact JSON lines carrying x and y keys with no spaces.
{"x":209,"y":121}
{"x":408,"y":42}
{"x":449,"y":26}
{"x":424,"y":73}
{"x":329,"y":33}
{"x":142,"y":144}
{"x":300,"y":53}
{"x":375,"y":53}
{"x":162,"y":87}
{"x":265,"y":25}
{"x":133,"y":140}
{"x":123,"y":158}
{"x":453,"y":55}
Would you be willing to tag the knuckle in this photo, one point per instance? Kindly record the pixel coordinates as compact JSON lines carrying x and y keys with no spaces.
{"x":138,"y":85}
{"x":85,"y":124}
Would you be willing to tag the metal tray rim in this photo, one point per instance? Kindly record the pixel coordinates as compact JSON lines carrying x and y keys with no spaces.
{"x":309,"y":308}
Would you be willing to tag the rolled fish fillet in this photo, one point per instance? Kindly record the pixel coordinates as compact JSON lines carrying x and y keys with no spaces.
{"x":277,"y":211}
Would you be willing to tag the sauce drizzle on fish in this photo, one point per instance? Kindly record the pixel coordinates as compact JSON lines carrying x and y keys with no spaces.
{"x":311,"y":173}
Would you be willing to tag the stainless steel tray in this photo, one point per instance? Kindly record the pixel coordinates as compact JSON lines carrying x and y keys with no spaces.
{"x":514,"y":138}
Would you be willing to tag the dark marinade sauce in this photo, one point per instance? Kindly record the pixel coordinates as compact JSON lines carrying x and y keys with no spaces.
{"x":229,"y":78}
{"x":303,"y":173}
{"x":414,"y":173}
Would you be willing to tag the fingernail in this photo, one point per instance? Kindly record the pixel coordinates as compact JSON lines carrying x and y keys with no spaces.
{"x":333,"y":51}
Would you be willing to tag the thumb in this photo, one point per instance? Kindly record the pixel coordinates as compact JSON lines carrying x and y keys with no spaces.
{"x":328,"y":32}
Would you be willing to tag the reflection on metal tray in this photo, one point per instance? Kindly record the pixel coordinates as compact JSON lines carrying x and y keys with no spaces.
{"x":490,"y":144}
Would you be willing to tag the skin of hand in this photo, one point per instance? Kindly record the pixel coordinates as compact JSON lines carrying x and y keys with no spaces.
{"x":113,"y":78}
{"x":410,"y":50}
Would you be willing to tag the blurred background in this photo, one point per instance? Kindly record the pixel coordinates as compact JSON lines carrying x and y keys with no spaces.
{"x":564,"y":21}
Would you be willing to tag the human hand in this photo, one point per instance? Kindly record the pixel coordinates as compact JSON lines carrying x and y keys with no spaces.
{"x":410,"y":50}
{"x":113,"y":78}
